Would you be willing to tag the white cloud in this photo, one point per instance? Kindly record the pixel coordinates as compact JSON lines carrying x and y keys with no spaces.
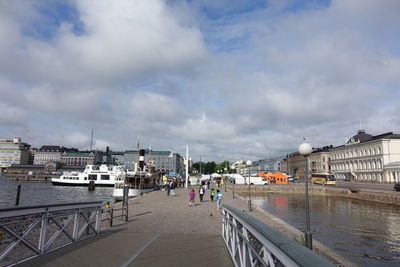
{"x":262,"y":78}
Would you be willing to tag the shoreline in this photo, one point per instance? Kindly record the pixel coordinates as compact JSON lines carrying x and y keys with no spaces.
{"x":388,"y":197}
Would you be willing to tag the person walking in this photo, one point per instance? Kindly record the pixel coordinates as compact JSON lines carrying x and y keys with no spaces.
{"x":218,"y":198}
{"x":173,"y":185}
{"x":201,"y":193}
{"x":168,"y":188}
{"x":192,"y":195}
{"x":212,"y":194}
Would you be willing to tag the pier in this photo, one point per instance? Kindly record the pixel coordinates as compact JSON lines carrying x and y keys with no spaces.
{"x":161,"y":231}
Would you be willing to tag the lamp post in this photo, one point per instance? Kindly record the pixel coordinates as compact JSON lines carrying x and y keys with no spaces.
{"x":305,"y":150}
{"x":225,"y":169}
{"x":248,"y":164}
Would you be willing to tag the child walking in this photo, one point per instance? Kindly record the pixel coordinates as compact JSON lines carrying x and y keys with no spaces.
{"x":192,"y":195}
{"x":218,"y":198}
{"x":212,"y":194}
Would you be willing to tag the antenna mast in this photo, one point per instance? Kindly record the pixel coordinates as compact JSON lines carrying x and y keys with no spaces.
{"x":91,"y":141}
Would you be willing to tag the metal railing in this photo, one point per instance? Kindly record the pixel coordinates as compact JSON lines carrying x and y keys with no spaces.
{"x":252,"y":243}
{"x":111,"y":214}
{"x":27,"y":232}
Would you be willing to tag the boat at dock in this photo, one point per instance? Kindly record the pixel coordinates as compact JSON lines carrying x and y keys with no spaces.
{"x":139,"y":182}
{"x":142,"y":180}
{"x":102,"y":175}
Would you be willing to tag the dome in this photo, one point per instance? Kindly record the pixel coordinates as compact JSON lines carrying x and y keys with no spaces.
{"x":361,"y":136}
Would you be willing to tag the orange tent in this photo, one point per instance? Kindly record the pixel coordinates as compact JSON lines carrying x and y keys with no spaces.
{"x":269,"y":176}
{"x":280,"y":178}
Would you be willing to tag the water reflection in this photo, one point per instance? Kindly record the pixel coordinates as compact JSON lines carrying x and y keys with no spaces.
{"x":367,"y":233}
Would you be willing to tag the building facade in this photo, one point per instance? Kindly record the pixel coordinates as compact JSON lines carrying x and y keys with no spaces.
{"x":82,"y":158}
{"x":13,"y":152}
{"x":47,"y":154}
{"x":319,"y":161}
{"x":368,"y":158}
{"x":165,"y":161}
{"x":294,"y":164}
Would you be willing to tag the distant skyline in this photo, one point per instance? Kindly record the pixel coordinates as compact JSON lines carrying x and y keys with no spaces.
{"x":232,"y":79}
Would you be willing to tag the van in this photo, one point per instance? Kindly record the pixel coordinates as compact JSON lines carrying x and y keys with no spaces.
{"x":258,"y":180}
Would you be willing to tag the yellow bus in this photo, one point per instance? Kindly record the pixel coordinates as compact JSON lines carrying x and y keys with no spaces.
{"x":322,"y":178}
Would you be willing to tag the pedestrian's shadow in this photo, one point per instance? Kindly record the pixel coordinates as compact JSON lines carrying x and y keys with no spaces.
{"x":198,"y":204}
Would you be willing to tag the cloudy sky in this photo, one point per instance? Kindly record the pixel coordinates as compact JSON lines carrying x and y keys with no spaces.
{"x":230,"y":78}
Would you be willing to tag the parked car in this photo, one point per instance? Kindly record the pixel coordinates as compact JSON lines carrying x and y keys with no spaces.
{"x":396,"y":187}
{"x":293,"y":180}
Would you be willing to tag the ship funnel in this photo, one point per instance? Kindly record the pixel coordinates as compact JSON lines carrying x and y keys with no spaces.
{"x":141,"y":159}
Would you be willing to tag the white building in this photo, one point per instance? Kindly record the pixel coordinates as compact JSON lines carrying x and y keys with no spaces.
{"x":319,"y":160}
{"x":368,"y":158}
{"x":13,"y":152}
{"x":48,"y":154}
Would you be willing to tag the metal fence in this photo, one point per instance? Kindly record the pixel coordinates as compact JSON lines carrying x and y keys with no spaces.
{"x":252,"y":243}
{"x":28,"y":232}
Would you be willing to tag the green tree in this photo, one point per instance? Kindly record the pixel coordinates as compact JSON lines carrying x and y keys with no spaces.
{"x":221,"y":167}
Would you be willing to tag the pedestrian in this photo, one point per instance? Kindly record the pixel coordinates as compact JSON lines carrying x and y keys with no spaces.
{"x":218,"y":198}
{"x":212,"y":194}
{"x":192,"y":195}
{"x":169,"y":188}
{"x":201,"y":193}
{"x":173,"y":189}
{"x":208,"y":183}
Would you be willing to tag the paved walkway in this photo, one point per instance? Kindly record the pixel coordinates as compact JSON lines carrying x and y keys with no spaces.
{"x":162,"y":231}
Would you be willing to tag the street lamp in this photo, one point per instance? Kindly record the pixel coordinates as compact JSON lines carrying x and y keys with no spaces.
{"x":305,"y":150}
{"x":225,"y":169}
{"x":248,"y":164}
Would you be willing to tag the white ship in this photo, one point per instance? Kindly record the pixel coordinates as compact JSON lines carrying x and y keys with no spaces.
{"x":102,"y":175}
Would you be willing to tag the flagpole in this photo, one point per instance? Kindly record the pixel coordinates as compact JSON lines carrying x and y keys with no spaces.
{"x":187,"y":165}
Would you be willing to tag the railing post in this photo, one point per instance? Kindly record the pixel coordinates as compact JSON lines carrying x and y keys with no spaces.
{"x":76,"y":225}
{"x":43,"y":231}
{"x":98,"y":220}
{"x":111,"y":216}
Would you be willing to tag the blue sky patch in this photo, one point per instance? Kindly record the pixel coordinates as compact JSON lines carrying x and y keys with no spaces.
{"x":51,"y":15}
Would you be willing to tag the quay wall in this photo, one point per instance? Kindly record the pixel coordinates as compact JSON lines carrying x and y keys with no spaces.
{"x":387,"y":197}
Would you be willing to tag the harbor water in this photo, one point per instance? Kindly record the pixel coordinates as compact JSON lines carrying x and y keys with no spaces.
{"x":364,"y":232}
{"x":45,"y":193}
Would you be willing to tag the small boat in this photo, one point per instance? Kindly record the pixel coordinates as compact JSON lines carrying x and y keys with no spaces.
{"x":102,"y":175}
{"x":142,"y":180}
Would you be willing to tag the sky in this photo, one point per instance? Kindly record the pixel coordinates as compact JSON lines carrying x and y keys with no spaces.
{"x":232,"y":79}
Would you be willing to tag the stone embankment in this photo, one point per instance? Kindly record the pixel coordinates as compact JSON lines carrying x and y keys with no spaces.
{"x":387,"y":197}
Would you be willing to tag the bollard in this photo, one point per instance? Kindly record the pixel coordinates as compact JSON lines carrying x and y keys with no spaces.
{"x":18,"y":194}
{"x":125,"y":196}
{"x":91,"y":186}
{"x":111,"y":216}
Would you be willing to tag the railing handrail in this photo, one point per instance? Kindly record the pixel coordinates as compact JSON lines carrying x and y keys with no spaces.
{"x":42,"y":229}
{"x":27,"y":210}
{"x":296,"y":252}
